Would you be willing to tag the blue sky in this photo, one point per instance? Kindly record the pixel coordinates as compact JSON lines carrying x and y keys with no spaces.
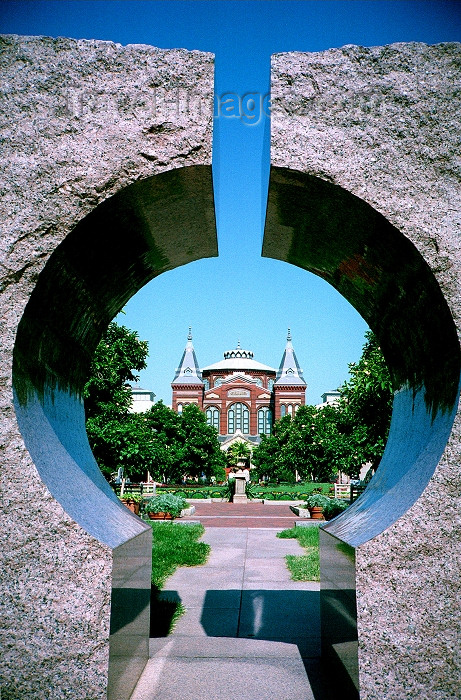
{"x":241,"y":295}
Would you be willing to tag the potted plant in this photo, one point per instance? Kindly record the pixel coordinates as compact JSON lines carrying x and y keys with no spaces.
{"x":132,"y":501}
{"x":165,"y":506}
{"x":315,"y":503}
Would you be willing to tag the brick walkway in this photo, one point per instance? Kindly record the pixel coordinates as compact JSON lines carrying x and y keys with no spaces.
{"x":244,"y":515}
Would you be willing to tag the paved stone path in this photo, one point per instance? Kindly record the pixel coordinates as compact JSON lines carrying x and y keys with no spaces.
{"x":249,"y":631}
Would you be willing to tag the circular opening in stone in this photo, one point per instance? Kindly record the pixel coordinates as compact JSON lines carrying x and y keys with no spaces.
{"x":167,"y":221}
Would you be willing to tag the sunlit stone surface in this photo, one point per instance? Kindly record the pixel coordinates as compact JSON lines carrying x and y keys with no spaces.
{"x":364,"y":191}
{"x":106,"y":182}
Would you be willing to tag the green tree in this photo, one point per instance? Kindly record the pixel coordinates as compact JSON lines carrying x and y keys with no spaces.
{"x":159,"y":441}
{"x":318,"y":442}
{"x":309,"y":443}
{"x":166,"y":431}
{"x":117,"y":437}
{"x":265,"y":456}
{"x":125,"y":442}
{"x":201,"y":453}
{"x":238,"y":451}
{"x":271,"y":457}
{"x":366,"y":405}
{"x":117,"y":357}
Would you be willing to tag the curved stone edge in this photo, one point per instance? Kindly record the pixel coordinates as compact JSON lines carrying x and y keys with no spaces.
{"x":381,"y":123}
{"x":79,"y":122}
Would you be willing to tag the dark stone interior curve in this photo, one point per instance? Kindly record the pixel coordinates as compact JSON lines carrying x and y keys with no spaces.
{"x":151,"y":226}
{"x":147,"y":228}
{"x":322,"y":228}
{"x":341,"y":238}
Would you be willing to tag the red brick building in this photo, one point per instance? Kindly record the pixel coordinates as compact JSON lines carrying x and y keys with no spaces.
{"x":240,"y":396}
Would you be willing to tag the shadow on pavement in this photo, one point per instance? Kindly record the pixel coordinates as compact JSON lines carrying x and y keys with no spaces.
{"x":163,"y":612}
{"x":289,"y":616}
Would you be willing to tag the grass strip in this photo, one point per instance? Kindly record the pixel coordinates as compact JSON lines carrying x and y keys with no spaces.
{"x":173,"y":545}
{"x":303,"y":567}
{"x":176,"y":545}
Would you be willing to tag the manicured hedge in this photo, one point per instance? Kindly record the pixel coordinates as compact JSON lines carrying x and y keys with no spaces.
{"x":283,"y":492}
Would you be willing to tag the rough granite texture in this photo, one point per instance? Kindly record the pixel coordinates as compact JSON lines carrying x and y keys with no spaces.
{"x":384,"y":124}
{"x":80,"y":120}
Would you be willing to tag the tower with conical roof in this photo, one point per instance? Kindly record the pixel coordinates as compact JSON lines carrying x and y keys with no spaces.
{"x":289,"y":387}
{"x":187,"y":384}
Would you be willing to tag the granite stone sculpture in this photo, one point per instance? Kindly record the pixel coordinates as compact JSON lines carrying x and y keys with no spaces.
{"x":365,"y":192}
{"x":105,"y":183}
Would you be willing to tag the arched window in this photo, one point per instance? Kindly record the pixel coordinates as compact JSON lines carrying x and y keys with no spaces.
{"x":218,"y":382}
{"x":270,"y":384}
{"x":259,"y":382}
{"x":264,"y":421}
{"x":212,"y":417}
{"x":290,"y":409}
{"x":206,"y":384}
{"x":179,"y":408}
{"x":238,"y":418}
{"x":283,"y":411}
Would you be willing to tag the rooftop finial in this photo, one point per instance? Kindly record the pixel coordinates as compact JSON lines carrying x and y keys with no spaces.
{"x":238,"y":343}
{"x":289,"y":335}
{"x":189,"y":337}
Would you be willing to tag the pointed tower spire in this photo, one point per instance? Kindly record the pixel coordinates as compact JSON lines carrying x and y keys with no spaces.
{"x":188,"y":371}
{"x":289,"y":372}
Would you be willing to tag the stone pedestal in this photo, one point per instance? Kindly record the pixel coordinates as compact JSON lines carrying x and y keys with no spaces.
{"x":240,"y":483}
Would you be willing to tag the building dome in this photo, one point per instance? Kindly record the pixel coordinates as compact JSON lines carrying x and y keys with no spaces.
{"x":238,"y":359}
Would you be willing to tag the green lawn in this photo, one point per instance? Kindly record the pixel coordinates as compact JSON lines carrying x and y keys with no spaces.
{"x":304,"y":567}
{"x":173,"y":545}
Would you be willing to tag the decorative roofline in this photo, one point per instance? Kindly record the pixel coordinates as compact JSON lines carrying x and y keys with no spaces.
{"x":238,"y":352}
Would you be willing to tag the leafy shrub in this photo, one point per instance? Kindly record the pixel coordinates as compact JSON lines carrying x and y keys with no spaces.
{"x":216,"y":494}
{"x":250,"y":490}
{"x":129,"y":496}
{"x":334,"y":507}
{"x":317,"y":500}
{"x":198,"y":494}
{"x":166,"y":503}
{"x":228,"y":490}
